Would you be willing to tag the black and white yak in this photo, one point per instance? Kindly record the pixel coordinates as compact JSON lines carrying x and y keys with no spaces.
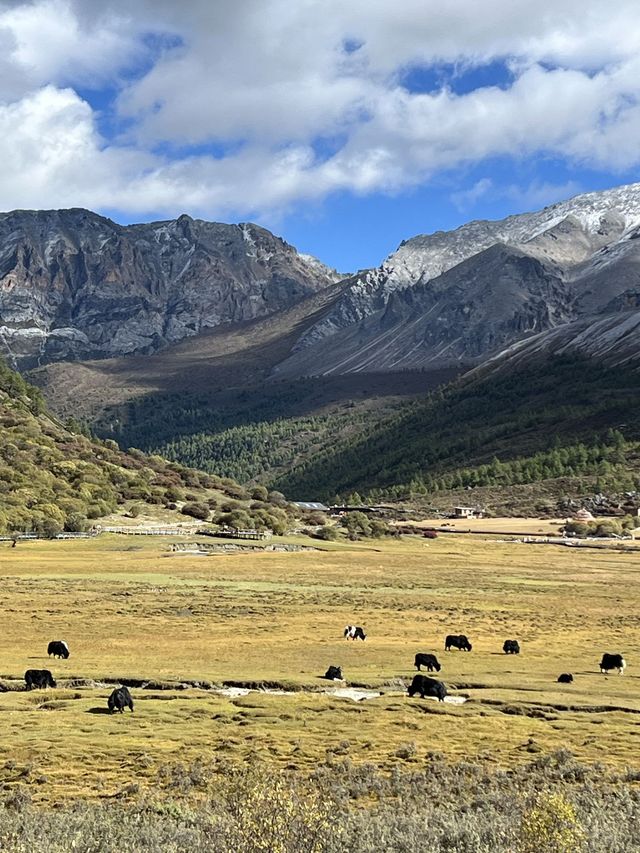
{"x":58,"y":648}
{"x":354,"y":632}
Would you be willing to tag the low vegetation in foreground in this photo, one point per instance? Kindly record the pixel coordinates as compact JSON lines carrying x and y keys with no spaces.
{"x":553,"y":804}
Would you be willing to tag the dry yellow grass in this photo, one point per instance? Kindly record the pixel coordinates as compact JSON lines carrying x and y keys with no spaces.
{"x":128,"y":608}
{"x":511,"y":526}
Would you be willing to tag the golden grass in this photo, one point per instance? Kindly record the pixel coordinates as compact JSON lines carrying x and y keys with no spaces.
{"x":131,"y":609}
{"x":512,"y":526}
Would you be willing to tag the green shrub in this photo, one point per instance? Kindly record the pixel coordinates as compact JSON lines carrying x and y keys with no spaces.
{"x":329,"y":533}
{"x":259,"y":493}
{"x":76,"y":522}
{"x":357,"y":524}
{"x":196,"y":510}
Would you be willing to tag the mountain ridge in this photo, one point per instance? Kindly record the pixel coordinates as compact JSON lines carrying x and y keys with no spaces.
{"x":587,"y":242}
{"x":74,"y":284}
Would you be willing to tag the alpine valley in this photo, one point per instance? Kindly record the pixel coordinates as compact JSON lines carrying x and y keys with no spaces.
{"x":501,"y":353}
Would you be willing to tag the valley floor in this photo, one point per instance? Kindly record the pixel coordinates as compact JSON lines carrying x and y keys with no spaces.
{"x":135,"y":610}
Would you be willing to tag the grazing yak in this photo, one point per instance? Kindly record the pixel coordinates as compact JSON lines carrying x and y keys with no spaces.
{"x":610,"y":662}
{"x":565,"y":678}
{"x":430,"y":661}
{"x":334,"y":672}
{"x":457,"y":641}
{"x":40,"y":678}
{"x":511,"y":647}
{"x":354,"y":632}
{"x":58,"y":648}
{"x":426,"y":686}
{"x":120,"y":699}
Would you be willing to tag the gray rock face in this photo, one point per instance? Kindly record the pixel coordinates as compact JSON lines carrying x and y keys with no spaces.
{"x":611,"y":339}
{"x":76,"y":285}
{"x":457,"y":297}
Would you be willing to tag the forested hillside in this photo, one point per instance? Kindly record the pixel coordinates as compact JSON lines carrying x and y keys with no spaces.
{"x":569,"y":417}
{"x":264,"y":450}
{"x":258,"y":432}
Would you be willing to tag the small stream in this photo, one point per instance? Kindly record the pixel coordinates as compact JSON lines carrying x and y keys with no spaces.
{"x":356,"y":694}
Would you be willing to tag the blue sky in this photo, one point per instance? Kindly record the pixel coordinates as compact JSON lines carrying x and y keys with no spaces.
{"x":351,"y":232}
{"x":343,"y":127}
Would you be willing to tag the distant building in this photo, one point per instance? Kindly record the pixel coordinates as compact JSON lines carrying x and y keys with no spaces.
{"x":311,"y":505}
{"x":582,"y":515}
{"x":466,"y":512}
{"x":367,"y":510}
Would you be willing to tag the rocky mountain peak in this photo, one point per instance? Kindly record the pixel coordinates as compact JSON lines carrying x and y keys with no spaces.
{"x":585,"y":245}
{"x":74,"y":284}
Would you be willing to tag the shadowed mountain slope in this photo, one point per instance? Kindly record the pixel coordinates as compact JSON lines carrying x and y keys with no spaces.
{"x":507,"y":415}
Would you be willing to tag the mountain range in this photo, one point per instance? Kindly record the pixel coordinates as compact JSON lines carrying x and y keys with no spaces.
{"x":135,"y":326}
{"x":75,"y":285}
{"x":456,"y":297}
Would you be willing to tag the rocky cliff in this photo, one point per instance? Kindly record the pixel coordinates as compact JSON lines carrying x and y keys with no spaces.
{"x":612,"y":340}
{"x":77,"y":285}
{"x":458,"y":297}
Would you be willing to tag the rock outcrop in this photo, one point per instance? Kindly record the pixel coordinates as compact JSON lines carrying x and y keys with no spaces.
{"x":77,"y":285}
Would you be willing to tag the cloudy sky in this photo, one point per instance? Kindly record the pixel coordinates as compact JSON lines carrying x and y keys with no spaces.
{"x":343,"y":125}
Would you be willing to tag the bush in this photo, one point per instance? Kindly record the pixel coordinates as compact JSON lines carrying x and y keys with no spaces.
{"x":238,"y":519}
{"x":268,"y":812}
{"x":97,"y":509}
{"x":76,"y":523}
{"x":608,"y":528}
{"x":357,"y":524}
{"x":551,"y":825}
{"x":173,"y":495}
{"x":328,"y":533}
{"x":259,"y":493}
{"x":234,"y":490}
{"x":46,"y":526}
{"x":434,"y":807}
{"x":577,"y":528}
{"x":379,"y":528}
{"x":196,"y":510}
{"x":277,"y":499}
{"x":277,"y":525}
{"x":595,"y":528}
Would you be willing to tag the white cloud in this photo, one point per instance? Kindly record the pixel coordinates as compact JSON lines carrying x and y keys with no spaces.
{"x":467,"y":199}
{"x":535,"y":195}
{"x":541,"y":193}
{"x":268,"y":79}
{"x":48,"y":43}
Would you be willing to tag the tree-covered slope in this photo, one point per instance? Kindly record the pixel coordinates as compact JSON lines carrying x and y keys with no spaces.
{"x":53,"y":478}
{"x":545,"y":420}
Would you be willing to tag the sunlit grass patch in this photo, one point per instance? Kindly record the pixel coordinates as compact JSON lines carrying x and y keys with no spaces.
{"x":175,"y":629}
